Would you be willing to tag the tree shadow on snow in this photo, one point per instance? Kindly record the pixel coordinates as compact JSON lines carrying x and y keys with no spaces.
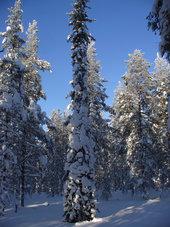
{"x":134,"y":213}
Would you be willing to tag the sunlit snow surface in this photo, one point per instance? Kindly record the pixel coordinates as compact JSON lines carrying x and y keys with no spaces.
{"x":121,"y":210}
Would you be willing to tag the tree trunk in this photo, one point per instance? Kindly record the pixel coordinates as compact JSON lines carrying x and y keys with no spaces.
{"x":22,"y":182}
{"x":169,"y":112}
{"x":22,"y":192}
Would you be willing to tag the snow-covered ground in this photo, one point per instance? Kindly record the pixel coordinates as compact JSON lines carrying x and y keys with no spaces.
{"x":122,"y":211}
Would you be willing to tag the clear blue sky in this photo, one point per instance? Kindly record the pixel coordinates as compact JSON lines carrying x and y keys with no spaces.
{"x":120,"y":28}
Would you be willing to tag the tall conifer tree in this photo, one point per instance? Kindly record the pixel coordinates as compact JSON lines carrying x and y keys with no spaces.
{"x":159,"y":21}
{"x":33,"y":148}
{"x":12,"y":100}
{"x":159,"y":103}
{"x":100,"y":129}
{"x":121,"y":122}
{"x":140,"y":142}
{"x":79,"y":204}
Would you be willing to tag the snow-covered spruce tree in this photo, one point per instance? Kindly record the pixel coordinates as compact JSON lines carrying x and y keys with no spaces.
{"x":159,"y":20}
{"x":79,"y":204}
{"x":58,"y":133}
{"x":121,"y":122}
{"x":34,"y":140}
{"x":140,"y":142}
{"x":12,"y":96}
{"x":100,"y":128}
{"x":161,"y":78}
{"x":33,"y":65}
